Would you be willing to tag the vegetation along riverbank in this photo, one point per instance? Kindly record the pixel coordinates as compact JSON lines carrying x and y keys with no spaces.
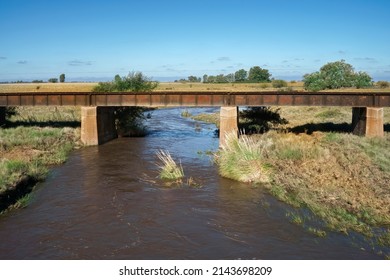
{"x":336,"y":176}
{"x":33,"y":140}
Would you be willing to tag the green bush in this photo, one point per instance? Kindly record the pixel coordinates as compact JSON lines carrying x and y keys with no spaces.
{"x":128,"y":120}
{"x":279,"y":83}
{"x":362,"y":80}
{"x":336,"y":75}
{"x":53,"y":80}
{"x":134,"y":81}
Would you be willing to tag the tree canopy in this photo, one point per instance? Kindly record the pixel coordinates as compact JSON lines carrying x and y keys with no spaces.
{"x":134,"y":81}
{"x":259,"y":75}
{"x":128,"y":120}
{"x":334,"y":75}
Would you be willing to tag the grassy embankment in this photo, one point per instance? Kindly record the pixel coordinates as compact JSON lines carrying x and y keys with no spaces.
{"x":339,"y":177}
{"x":35,"y":139}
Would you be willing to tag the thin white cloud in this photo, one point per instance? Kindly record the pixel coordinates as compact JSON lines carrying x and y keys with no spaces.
{"x":78,"y":62}
{"x":366,"y":59}
{"x":22,"y":62}
{"x":223,"y":58}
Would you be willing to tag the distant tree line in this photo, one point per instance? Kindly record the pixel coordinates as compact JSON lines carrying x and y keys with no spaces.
{"x":51,"y":80}
{"x":256,"y":74}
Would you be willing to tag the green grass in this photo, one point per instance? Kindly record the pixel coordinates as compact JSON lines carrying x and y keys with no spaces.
{"x":27,"y":151}
{"x":316,"y":231}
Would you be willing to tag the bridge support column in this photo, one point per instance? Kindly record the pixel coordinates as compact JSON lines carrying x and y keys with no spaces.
{"x":367,"y":121}
{"x":2,"y":116}
{"x":228,"y":123}
{"x":97,"y":125}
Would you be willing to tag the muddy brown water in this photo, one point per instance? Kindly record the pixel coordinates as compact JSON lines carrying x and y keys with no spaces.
{"x":106,"y":202}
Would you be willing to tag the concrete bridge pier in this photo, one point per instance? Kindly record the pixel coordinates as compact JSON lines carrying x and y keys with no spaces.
{"x":367,"y":121}
{"x":228,"y":123}
{"x":97,"y":125}
{"x":2,"y":116}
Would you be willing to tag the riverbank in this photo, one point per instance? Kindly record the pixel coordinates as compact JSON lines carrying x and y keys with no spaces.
{"x":338,"y":177}
{"x":33,"y":140}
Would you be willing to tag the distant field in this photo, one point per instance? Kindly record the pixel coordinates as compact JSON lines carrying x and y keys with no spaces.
{"x":47,"y":87}
{"x":87,"y":87}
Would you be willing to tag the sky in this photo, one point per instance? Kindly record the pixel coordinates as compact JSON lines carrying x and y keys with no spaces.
{"x":169,"y":39}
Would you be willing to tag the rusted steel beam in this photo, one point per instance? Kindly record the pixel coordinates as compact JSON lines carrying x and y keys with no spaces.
{"x":216,"y":98}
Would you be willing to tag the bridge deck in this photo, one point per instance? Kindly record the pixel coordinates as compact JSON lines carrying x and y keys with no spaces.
{"x":216,"y":98}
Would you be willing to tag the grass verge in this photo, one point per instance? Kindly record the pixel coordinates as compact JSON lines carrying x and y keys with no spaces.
{"x":27,"y":152}
{"x":341,"y":178}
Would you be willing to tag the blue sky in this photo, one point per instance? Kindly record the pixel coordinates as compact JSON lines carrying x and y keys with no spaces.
{"x":171,"y":38}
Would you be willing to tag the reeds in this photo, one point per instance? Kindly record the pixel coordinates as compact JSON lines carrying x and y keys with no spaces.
{"x":169,"y":169}
{"x":242,"y":159}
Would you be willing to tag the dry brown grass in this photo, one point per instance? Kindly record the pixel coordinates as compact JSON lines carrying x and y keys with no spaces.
{"x":332,"y":174}
{"x":47,"y":87}
{"x":87,"y":87}
{"x":341,"y":178}
{"x":166,"y":86}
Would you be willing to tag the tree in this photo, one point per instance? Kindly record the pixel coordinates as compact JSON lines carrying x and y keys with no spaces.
{"x":128,"y":120}
{"x":205,"y":78}
{"x":62,"y":78}
{"x":221,"y":79}
{"x":53,"y":80}
{"x":258,"y":75}
{"x":134,"y":81}
{"x":193,"y":79}
{"x":240,"y":75}
{"x":334,"y":75}
{"x":362,"y":80}
{"x":230,"y":78}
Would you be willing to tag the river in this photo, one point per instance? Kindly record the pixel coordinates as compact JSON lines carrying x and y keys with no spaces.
{"x":106,"y":202}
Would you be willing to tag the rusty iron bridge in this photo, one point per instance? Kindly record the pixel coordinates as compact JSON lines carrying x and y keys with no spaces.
{"x":97,"y":121}
{"x":202,"y":98}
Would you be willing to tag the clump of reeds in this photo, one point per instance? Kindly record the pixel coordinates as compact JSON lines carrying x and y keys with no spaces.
{"x":242,"y":159}
{"x":169,"y":169}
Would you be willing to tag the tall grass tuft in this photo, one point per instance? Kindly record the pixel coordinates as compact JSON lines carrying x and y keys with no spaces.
{"x":169,"y":169}
{"x":242,"y":159}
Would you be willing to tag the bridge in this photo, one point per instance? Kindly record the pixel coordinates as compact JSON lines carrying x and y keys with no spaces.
{"x":97,"y":120}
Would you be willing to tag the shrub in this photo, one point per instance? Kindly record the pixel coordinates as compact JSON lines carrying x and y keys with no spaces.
{"x":169,"y":169}
{"x":362,"y":80}
{"x":383,"y":84}
{"x":314,"y":81}
{"x":243,"y":159}
{"x":128,"y":120}
{"x":134,"y":81}
{"x":336,"y":75}
{"x":279,"y":83}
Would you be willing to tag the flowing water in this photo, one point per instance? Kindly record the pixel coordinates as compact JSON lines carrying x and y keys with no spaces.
{"x":106,"y":202}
